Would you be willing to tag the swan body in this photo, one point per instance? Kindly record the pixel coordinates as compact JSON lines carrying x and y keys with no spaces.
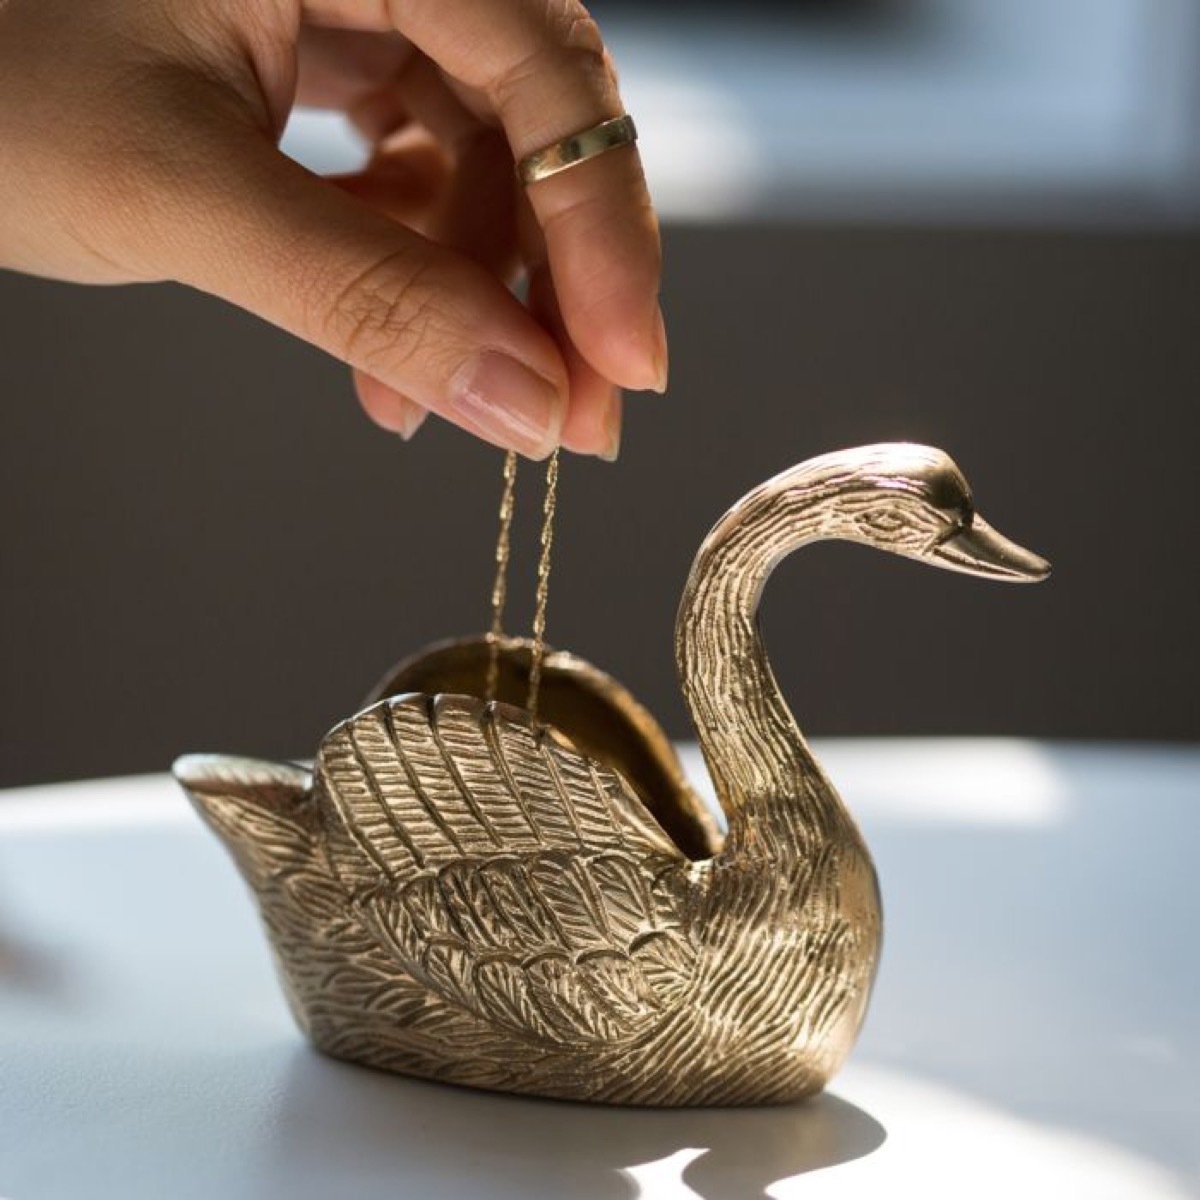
{"x":460,"y":892}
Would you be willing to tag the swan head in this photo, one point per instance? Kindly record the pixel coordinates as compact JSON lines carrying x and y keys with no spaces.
{"x":914,"y":501}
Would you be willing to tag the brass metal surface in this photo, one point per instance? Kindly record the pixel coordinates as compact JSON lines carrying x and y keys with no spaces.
{"x":578,"y":148}
{"x":462,"y":892}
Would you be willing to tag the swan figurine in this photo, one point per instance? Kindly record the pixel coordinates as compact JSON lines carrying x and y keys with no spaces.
{"x":459,"y":891}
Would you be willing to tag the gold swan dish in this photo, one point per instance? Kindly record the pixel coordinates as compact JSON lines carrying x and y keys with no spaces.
{"x":461,"y":892}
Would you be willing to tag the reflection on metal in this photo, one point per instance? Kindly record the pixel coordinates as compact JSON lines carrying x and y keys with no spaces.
{"x":460,"y":892}
{"x":578,"y":148}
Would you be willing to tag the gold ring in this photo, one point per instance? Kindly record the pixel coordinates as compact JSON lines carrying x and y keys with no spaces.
{"x":579,"y":147}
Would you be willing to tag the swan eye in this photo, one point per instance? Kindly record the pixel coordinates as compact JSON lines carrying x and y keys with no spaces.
{"x":883,"y":521}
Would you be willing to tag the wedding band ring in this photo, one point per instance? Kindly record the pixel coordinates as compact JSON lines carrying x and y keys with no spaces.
{"x":579,"y":147}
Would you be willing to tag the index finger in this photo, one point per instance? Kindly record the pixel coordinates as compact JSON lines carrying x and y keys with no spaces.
{"x":543,"y":66}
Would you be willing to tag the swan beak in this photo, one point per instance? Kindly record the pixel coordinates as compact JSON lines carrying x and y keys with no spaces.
{"x":980,"y":550}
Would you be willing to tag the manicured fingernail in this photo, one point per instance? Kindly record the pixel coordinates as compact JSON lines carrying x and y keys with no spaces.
{"x":506,"y":402}
{"x":661,"y":361}
{"x":612,"y":427}
{"x":399,"y":414}
{"x":410,"y":418}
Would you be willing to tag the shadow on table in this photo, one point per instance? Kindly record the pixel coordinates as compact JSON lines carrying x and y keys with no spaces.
{"x":27,"y":968}
{"x":386,"y":1130}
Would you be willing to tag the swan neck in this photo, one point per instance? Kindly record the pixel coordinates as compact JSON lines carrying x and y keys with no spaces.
{"x":758,"y":758}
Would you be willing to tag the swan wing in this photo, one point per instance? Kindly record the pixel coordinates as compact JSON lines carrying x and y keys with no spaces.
{"x":521,"y":883}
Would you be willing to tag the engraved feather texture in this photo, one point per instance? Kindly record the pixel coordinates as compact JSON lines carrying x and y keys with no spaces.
{"x":460,"y":892}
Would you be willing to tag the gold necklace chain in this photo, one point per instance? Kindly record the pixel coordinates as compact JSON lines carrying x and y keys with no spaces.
{"x":549,"y":506}
{"x":500,"y":582}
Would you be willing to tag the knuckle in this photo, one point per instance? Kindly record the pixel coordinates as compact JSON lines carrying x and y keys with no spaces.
{"x":579,"y":32}
{"x":570,"y":45}
{"x":584,"y":51}
{"x":592,"y":66}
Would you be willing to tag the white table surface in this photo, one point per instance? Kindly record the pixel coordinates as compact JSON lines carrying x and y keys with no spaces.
{"x":1035,"y":1032}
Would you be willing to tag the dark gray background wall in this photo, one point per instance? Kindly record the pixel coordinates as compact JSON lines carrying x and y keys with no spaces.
{"x":205,"y":545}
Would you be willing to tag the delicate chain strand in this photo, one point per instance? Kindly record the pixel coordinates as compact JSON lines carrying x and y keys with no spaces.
{"x":543,"y":583}
{"x":500,"y":584}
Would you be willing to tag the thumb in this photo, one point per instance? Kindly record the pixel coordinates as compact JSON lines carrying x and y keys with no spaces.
{"x":257,"y":229}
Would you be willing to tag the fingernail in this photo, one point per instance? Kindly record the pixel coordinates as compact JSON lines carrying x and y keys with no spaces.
{"x":506,"y":402}
{"x":399,"y":414}
{"x":661,"y":360}
{"x":411,"y":418}
{"x":612,"y":427}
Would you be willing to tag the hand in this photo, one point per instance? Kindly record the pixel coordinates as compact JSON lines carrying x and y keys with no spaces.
{"x":138,"y":141}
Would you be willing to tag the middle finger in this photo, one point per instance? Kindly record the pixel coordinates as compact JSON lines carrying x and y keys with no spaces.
{"x":544,"y":69}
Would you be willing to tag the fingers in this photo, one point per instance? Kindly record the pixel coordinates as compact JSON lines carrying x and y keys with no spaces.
{"x":545,"y":73}
{"x":405,"y":180}
{"x":594,"y":418}
{"x":426,"y":322}
{"x":593,"y":421}
{"x":478,"y":212}
{"x":544,"y":70}
{"x":444,"y":171}
{"x":337,"y":66}
{"x":388,"y":408}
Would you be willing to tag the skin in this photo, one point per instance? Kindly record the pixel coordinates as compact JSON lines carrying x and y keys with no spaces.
{"x":138,"y":142}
